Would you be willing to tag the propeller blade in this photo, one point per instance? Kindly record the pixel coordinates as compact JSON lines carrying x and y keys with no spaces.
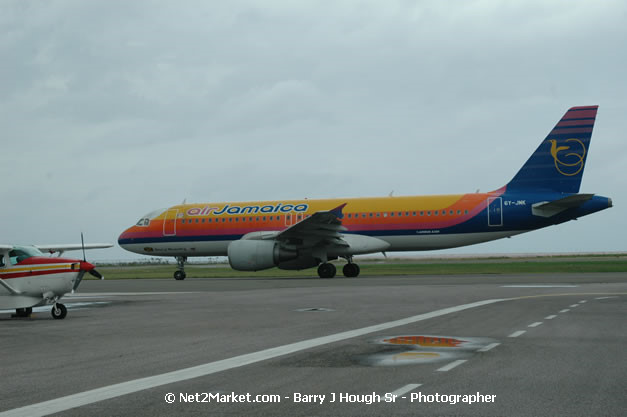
{"x":79,"y":278}
{"x":83,"y":246}
{"x":96,"y":274}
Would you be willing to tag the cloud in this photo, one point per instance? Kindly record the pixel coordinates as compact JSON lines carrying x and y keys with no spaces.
{"x":112,"y":109}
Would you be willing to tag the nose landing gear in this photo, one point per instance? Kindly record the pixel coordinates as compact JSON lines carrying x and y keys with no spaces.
{"x":58,"y":311}
{"x":179,"y":275}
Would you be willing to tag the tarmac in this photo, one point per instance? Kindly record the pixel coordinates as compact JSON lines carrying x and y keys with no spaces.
{"x":470,"y":345}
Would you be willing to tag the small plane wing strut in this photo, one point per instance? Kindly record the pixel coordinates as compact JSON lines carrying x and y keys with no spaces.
{"x":9,"y":288}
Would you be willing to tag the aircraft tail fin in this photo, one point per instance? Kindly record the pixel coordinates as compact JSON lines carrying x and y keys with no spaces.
{"x":558,"y":163}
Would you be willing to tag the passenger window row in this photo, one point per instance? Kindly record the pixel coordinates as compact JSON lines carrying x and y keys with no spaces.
{"x":407,"y":214}
{"x":297,"y":218}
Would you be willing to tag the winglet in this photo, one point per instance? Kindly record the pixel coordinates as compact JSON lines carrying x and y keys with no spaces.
{"x":338,"y":211}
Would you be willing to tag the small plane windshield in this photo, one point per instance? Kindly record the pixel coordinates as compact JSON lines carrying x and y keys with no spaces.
{"x":19,"y":253}
{"x":145,"y":220}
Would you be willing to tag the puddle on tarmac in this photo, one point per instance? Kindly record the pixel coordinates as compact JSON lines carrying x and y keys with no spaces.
{"x":424,"y":349}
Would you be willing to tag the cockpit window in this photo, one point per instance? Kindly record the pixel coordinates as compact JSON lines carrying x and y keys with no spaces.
{"x":145,"y":220}
{"x":20,"y":253}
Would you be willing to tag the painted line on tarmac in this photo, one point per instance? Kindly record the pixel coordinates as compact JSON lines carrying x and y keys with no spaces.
{"x":116,"y":294}
{"x":488,"y":347}
{"x":452,"y":365}
{"x":539,"y":286}
{"x":551,"y":317}
{"x":405,"y":389}
{"x":517,"y":333}
{"x":116,"y":390}
{"x":566,"y":310}
{"x":536,"y":324}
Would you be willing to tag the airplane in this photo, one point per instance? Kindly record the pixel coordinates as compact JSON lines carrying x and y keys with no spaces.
{"x":29,"y":278}
{"x":300,"y":234}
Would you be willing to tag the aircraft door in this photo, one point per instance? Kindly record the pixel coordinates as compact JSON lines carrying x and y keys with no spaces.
{"x":293,"y":218}
{"x":169,"y":222}
{"x":495,"y":211}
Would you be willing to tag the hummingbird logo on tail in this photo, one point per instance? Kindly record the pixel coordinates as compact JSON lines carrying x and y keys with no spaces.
{"x":570,"y":163}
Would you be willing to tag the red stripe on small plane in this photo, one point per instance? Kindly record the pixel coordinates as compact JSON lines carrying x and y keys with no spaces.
{"x":38,"y":260}
{"x":10,"y":275}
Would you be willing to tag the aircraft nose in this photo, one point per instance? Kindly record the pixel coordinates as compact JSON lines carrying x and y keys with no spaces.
{"x":124,"y":238}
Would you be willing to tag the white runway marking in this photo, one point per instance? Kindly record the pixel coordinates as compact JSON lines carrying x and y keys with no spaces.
{"x":405,"y":389}
{"x":70,"y":306}
{"x":566,"y":310}
{"x":538,"y":286}
{"x":551,"y":317}
{"x":604,"y":298}
{"x":488,"y":347}
{"x":574,"y":305}
{"x":118,"y":294}
{"x":583,"y":301}
{"x":112,"y":391}
{"x":536,"y":324}
{"x":451,"y":365}
{"x":517,"y":333}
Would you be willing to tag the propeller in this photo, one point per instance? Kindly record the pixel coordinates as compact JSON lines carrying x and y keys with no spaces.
{"x":85,"y":267}
{"x":89,"y":267}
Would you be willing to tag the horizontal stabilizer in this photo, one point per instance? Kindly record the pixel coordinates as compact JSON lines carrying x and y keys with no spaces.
{"x":551,"y":208}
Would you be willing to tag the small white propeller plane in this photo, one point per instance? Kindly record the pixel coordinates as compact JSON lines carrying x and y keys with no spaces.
{"x":29,"y":278}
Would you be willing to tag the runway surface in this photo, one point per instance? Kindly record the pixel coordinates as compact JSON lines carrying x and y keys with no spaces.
{"x":515,"y":345}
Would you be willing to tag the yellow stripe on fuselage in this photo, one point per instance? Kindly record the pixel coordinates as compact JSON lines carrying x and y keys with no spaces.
{"x":353,"y":205}
{"x":13,"y":270}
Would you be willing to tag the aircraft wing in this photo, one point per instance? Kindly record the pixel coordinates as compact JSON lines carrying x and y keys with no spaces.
{"x":551,"y":208}
{"x":321,"y":228}
{"x":5,"y":248}
{"x":71,"y":246}
{"x":322,"y":234}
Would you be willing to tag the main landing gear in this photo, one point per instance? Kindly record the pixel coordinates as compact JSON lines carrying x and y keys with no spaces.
{"x":351,"y":270}
{"x":179,"y":275}
{"x":328,"y":270}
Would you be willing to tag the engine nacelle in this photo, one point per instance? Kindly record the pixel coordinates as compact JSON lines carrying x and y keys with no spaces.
{"x":255,"y":255}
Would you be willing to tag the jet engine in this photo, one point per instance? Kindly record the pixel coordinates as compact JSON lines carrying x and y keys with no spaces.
{"x":254,"y":255}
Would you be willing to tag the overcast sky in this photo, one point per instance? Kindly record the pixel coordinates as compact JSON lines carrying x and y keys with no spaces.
{"x":111,"y":109}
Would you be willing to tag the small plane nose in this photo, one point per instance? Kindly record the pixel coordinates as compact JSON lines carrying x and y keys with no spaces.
{"x":86,"y":266}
